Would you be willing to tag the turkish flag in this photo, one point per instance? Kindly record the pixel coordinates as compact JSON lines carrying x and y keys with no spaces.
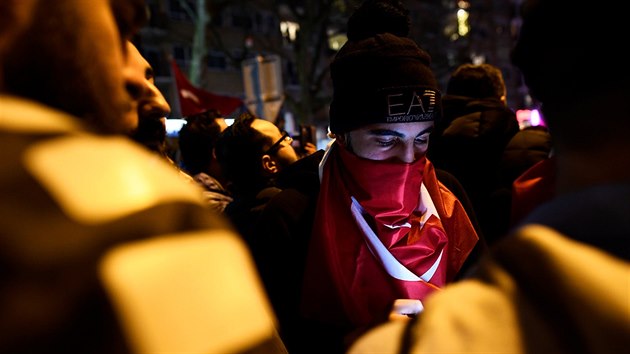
{"x":193,"y":100}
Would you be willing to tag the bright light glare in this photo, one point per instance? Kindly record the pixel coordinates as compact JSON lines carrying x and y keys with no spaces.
{"x":462,"y":22}
{"x":534,"y":118}
{"x":173,"y":126}
{"x":289,"y":29}
{"x":529,"y":118}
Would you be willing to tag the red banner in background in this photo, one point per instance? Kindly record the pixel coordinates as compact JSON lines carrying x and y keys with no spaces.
{"x":193,"y":100}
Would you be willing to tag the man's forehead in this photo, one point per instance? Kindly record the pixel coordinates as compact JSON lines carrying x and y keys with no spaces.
{"x":135,"y":58}
{"x":266,"y":127}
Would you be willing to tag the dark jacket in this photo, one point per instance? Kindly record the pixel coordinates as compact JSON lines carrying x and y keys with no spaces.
{"x":245,"y":209}
{"x":282,"y":235}
{"x":469,"y":142}
{"x":527,"y":147}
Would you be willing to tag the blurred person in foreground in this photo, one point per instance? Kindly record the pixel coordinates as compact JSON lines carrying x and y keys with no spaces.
{"x":559,"y":282}
{"x":385,"y":227}
{"x":103,"y":250}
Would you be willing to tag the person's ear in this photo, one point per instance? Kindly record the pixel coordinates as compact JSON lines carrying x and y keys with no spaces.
{"x":344,"y":140}
{"x":269,"y":164}
{"x":341,"y":138}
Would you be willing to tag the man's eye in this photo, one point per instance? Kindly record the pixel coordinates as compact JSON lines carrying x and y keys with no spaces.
{"x":421,"y":140}
{"x":386,"y":142}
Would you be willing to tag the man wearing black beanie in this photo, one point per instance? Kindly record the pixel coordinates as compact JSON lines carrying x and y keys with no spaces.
{"x":559,"y":282}
{"x":385,"y":228}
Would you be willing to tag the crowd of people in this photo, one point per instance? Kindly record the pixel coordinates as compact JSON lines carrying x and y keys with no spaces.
{"x":430,"y":222}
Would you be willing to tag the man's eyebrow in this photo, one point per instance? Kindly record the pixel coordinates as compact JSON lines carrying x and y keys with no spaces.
{"x":428,"y":130}
{"x":389,"y":132}
{"x":384,"y":132}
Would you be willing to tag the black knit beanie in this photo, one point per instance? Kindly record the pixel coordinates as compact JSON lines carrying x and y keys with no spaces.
{"x":380,"y":75}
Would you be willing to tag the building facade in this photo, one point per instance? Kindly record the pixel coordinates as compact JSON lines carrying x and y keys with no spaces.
{"x":453,"y":32}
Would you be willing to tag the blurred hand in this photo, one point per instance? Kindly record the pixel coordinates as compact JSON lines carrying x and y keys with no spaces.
{"x":308,"y":149}
{"x":405,"y":309}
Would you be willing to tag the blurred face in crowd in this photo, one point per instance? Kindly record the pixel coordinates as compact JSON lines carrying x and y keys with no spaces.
{"x":403,"y":142}
{"x":70,"y":55}
{"x":282,"y":155}
{"x":148,"y":103}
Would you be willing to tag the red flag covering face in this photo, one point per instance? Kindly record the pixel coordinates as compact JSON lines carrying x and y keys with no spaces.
{"x":193,"y":100}
{"x":345,"y":284}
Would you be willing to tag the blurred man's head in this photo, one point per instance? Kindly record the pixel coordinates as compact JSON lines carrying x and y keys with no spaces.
{"x":280,"y":153}
{"x":572,"y":58}
{"x":149,"y":106}
{"x":140,"y":77}
{"x":252,"y":151}
{"x":197,"y":139}
{"x":477,"y":81}
{"x":70,"y":55}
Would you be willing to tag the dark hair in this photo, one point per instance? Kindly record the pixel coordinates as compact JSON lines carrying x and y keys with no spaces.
{"x":239,"y":150}
{"x":152,"y":134}
{"x":379,"y":16}
{"x":477,"y":81}
{"x":197,"y":139}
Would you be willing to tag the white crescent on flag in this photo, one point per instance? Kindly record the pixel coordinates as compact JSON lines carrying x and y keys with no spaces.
{"x":189,"y":95}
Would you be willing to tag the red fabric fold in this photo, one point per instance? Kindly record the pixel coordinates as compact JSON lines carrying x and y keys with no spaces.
{"x":534,"y":187}
{"x":345,"y":284}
